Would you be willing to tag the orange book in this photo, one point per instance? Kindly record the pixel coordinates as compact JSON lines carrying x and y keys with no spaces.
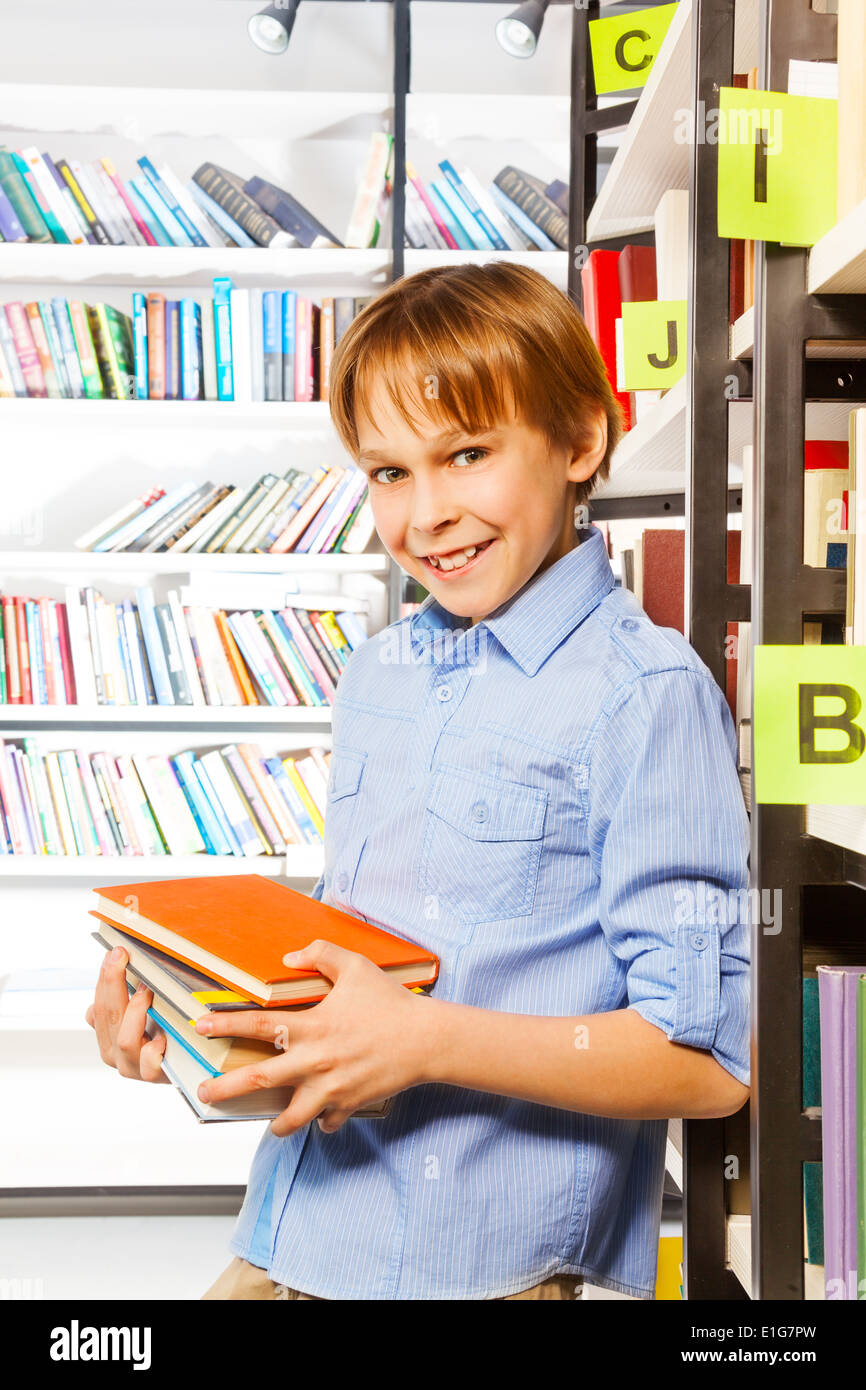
{"x":236,"y":661}
{"x":238,"y":929}
{"x":155,"y":309}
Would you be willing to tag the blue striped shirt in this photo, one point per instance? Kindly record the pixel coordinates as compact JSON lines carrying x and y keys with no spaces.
{"x":549,"y":801}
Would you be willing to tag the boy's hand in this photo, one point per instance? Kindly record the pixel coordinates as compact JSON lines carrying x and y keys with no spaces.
{"x":367,"y":1039}
{"x":119,"y":1020}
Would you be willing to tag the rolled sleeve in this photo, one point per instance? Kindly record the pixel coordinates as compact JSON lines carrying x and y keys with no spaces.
{"x":669,"y":837}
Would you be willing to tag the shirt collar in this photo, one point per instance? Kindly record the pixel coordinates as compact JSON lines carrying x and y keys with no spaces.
{"x":534,"y":622}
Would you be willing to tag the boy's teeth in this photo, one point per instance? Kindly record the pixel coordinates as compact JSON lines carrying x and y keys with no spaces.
{"x":455,"y":560}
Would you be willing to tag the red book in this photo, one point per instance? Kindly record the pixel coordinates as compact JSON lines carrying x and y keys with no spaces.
{"x":602,"y":306}
{"x":66,"y":655}
{"x":826,"y":453}
{"x":25,"y":347}
{"x":636,"y":271}
{"x":663,"y":566}
{"x":23,"y":652}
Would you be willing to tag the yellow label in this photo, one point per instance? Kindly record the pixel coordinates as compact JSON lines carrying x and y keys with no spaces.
{"x":809,"y":734}
{"x":624,"y":47}
{"x":653,"y":344}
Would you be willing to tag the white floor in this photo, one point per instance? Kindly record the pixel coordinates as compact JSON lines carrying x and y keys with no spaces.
{"x":126,"y":1257}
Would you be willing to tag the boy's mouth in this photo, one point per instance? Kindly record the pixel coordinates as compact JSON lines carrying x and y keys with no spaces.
{"x":451,"y":563}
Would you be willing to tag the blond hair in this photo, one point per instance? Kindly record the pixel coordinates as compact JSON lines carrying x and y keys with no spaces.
{"x":466,"y":345}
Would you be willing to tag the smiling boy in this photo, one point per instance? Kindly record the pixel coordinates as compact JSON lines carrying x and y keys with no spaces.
{"x":534,"y":782}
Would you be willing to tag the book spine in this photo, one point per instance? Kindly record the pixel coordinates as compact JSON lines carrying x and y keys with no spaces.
{"x":263,"y":230}
{"x":190,"y":350}
{"x":95,"y":226}
{"x":471,"y":202}
{"x":222,"y":287}
{"x":92,"y":377}
{"x":216,"y":808}
{"x":272,"y":345}
{"x":19,"y":195}
{"x":60,"y":310}
{"x":104,"y":348}
{"x":39,"y":172}
{"x":242,"y":378}
{"x":165,"y":193}
{"x":257,"y":349}
{"x":90,"y":187}
{"x":153,"y":646}
{"x":539,"y":209}
{"x":291,"y":215}
{"x":174,"y":663}
{"x":10,"y":223}
{"x":40,"y":342}
{"x":146,"y":236}
{"x":46,"y":314}
{"x":7,"y":343}
{"x":37,"y":193}
{"x":188,"y":212}
{"x":77,"y":216}
{"x":172,"y":350}
{"x":155,"y":332}
{"x":289,"y":306}
{"x":228,"y":224}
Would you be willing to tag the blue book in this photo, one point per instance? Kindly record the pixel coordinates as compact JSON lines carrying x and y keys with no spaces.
{"x":38,"y":197}
{"x":471,"y":202}
{"x":172,"y":350}
{"x":193,"y":795}
{"x":60,"y":310}
{"x":454,"y":227}
{"x":220,"y":216}
{"x":263,"y":678}
{"x":125,"y":658}
{"x":217,"y":808}
{"x":222,"y":319}
{"x":46,"y":313}
{"x":139,"y":344}
{"x":147,"y":215}
{"x":10,"y":227}
{"x":187,"y":1046}
{"x":293,"y":801}
{"x":325,"y":516}
{"x":289,"y":307}
{"x":520,"y":219}
{"x":318,"y":692}
{"x":272,"y":344}
{"x":472,"y":229}
{"x":164,"y":192}
{"x":153,"y":645}
{"x":162,"y":212}
{"x":351,"y":629}
{"x":37,"y":657}
{"x":191,"y":376}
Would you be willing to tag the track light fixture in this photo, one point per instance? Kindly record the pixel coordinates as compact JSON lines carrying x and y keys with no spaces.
{"x":271,"y":28}
{"x":518,"y":32}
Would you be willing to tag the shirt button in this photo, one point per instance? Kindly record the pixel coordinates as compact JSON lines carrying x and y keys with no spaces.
{"x":699,"y":942}
{"x":479,"y":810}
{"x":342,"y":882}
{"x":443,"y":692}
{"x":629,"y":625}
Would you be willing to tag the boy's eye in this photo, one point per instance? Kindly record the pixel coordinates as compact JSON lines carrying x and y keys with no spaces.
{"x":474,"y":454}
{"x":389,"y":468}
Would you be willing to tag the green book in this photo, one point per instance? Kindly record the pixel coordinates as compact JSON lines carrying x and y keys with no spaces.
{"x":112,"y":339}
{"x":861,"y":1137}
{"x":51,"y":222}
{"x":813,"y":1173}
{"x":22,"y":200}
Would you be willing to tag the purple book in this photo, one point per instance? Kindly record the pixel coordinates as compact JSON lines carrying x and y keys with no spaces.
{"x":837,"y":997}
{"x":10,"y":227}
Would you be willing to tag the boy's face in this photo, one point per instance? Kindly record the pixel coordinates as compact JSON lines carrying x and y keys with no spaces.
{"x":504,"y":492}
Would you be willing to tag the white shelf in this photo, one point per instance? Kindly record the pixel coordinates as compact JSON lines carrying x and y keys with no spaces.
{"x":171,"y":562}
{"x":553,"y":264}
{"x":193,"y":266}
{"x":300,"y":861}
{"x":139,"y":113}
{"x":651,"y":457}
{"x":652,"y":156}
{"x":192,"y":716}
{"x":136,"y":415}
{"x":445,"y":116}
{"x":837,"y":263}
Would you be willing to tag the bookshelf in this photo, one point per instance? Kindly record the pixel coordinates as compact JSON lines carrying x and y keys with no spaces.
{"x":304,"y":120}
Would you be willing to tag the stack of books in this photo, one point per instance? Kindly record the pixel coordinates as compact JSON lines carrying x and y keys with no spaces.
{"x":229,"y":801}
{"x":205,"y":946}
{"x":72,"y":201}
{"x":91,"y":651}
{"x":323,"y":512}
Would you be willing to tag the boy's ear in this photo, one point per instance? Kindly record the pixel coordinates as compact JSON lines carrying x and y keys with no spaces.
{"x":589,"y":453}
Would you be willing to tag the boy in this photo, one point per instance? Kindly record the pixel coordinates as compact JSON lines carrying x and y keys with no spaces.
{"x":536,"y":783}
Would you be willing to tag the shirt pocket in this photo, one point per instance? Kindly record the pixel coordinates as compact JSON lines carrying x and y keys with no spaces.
{"x":344,"y":838}
{"x":482,"y":846}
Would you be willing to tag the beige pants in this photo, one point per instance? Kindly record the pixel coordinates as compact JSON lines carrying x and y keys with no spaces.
{"x":241,"y":1280}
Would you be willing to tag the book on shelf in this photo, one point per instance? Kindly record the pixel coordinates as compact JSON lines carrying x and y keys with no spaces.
{"x":69,"y":201}
{"x":87,"y":650}
{"x":455,"y":210}
{"x":231,"y":801}
{"x":842,"y":1123}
